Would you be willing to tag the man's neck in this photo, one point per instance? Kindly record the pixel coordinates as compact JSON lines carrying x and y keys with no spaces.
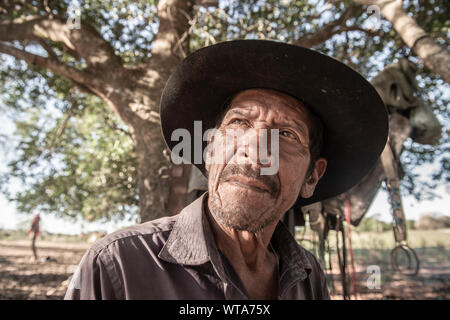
{"x":249,"y":254}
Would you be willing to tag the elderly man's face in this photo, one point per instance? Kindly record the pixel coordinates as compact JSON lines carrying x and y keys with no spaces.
{"x":239,"y":196}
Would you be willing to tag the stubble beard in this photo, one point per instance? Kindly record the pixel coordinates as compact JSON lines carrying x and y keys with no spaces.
{"x":240,"y":215}
{"x":242,"y":209}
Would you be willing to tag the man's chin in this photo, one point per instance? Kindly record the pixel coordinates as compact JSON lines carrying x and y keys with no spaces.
{"x":242,"y":222}
{"x":243,"y":211}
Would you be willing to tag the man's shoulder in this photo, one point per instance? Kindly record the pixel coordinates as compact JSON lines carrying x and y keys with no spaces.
{"x":155,"y":232}
{"x":133,"y":250}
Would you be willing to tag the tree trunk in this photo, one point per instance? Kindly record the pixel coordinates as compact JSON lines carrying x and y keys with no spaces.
{"x":153,"y":187}
{"x":138,"y":94}
{"x":178,"y":188}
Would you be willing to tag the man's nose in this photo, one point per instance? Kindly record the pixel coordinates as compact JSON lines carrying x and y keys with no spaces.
{"x":253,"y":147}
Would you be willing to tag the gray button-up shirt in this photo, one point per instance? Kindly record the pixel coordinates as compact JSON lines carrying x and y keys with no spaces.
{"x":177,"y":258}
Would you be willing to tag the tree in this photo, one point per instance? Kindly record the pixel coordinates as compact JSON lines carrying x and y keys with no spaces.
{"x":432,"y":221}
{"x":100,"y":83}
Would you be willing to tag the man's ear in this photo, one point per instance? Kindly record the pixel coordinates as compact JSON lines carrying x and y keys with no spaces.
{"x":309,"y":185}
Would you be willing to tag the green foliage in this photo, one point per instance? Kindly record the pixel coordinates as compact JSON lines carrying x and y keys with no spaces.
{"x":371,"y":224}
{"x":80,"y":161}
{"x":411,"y":225}
{"x":129,"y":26}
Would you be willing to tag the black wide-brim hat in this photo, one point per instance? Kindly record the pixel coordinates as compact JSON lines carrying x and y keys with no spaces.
{"x":354,"y":116}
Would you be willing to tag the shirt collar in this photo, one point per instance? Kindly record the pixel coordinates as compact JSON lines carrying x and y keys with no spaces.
{"x":191,"y":235}
{"x":186,"y":243}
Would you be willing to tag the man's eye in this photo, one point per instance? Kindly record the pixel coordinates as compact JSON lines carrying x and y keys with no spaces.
{"x":287,"y":134}
{"x":237,"y":121}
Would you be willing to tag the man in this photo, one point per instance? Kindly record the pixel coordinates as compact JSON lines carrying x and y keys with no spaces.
{"x":34,"y":233}
{"x":328,"y":126}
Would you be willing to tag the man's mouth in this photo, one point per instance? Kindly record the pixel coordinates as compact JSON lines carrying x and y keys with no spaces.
{"x":249,"y":183}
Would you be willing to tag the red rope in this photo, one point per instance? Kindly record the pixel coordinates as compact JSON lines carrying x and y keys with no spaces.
{"x":347,"y":219}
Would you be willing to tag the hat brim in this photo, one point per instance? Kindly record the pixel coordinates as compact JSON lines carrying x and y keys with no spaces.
{"x":354,"y":116}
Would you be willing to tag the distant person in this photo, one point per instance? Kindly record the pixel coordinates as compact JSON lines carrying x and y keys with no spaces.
{"x":34,"y":230}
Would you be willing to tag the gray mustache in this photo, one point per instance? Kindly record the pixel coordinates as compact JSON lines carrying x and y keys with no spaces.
{"x":272,"y":182}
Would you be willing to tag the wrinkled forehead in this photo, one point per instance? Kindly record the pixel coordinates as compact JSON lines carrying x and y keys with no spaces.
{"x":269,"y":99}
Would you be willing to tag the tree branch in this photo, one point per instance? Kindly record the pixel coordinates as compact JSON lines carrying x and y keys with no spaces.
{"x":86,"y":41}
{"x":369,"y":32}
{"x":328,"y":30}
{"x":47,"y":48}
{"x":79,"y":77}
{"x":67,"y":115}
{"x":174,"y":17}
{"x":168,"y":48}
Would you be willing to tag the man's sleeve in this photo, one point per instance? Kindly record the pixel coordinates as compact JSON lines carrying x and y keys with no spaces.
{"x":91,"y":280}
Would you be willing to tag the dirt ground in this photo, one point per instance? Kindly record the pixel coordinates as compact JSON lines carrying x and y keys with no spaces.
{"x":431,"y":283}
{"x":22,"y":278}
